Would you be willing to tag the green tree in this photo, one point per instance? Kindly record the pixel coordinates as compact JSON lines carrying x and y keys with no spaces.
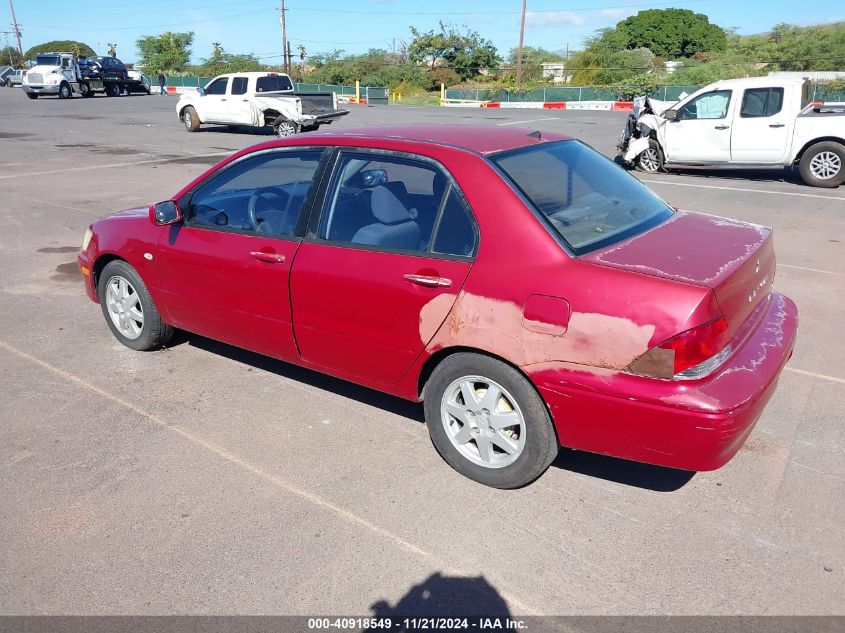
{"x":670,"y":33}
{"x":9,"y":56}
{"x":168,"y":52}
{"x":222,"y":62}
{"x":532,"y":61}
{"x":61,"y":46}
{"x":465,"y":52}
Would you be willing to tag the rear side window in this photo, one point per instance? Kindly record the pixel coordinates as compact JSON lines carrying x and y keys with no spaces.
{"x":586,"y":199}
{"x":456,"y":231}
{"x":761,"y":102}
{"x":273,"y":83}
{"x":218,"y":86}
{"x":239,"y":85}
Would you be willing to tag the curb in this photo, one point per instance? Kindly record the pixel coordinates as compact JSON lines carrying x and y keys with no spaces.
{"x":621,"y":106}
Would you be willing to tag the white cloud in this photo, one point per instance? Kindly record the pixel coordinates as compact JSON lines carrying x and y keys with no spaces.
{"x":617,"y":13}
{"x":534,"y":19}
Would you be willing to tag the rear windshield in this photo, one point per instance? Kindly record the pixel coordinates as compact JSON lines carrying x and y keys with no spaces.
{"x":273,"y":83}
{"x":589,"y":201}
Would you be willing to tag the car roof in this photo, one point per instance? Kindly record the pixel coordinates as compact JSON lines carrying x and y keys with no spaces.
{"x":480,"y":139}
{"x":755,"y":82}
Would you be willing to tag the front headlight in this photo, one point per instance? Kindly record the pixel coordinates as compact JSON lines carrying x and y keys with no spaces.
{"x":87,"y":239}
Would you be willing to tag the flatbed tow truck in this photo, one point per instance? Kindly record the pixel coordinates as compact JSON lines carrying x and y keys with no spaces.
{"x":61,"y":74}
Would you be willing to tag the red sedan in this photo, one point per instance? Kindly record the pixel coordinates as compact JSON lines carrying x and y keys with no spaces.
{"x":528,"y":290}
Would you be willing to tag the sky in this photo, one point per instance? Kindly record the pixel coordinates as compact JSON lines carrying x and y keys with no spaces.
{"x":252,"y":26}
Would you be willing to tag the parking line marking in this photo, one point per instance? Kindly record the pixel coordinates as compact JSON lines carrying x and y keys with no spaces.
{"x":779,"y":193}
{"x":812,"y":270}
{"x":274,"y":480}
{"x":813,"y":374}
{"x":548,"y":118}
{"x":112,"y":165}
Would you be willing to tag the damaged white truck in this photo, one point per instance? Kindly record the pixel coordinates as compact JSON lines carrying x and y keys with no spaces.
{"x":258,"y":99}
{"x":760,"y":122}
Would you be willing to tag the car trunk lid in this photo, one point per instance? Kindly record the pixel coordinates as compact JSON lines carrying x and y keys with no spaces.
{"x":734,"y":259}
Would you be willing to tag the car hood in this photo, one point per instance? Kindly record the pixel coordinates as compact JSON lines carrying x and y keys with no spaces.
{"x":734,"y":259}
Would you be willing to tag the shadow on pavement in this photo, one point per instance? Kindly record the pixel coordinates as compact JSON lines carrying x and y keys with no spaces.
{"x":647,"y":476}
{"x":445,"y":597}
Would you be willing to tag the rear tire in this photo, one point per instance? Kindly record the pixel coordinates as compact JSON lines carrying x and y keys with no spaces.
{"x":650,"y":160}
{"x":112,"y":90}
{"x":129,"y":309}
{"x":32,"y":95}
{"x":284,"y":128}
{"x":190,"y":119}
{"x":488,"y":422}
{"x":823,"y":165}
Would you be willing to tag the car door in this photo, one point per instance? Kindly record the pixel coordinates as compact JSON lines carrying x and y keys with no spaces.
{"x":214,"y":102}
{"x":225,"y":269}
{"x":240,"y":110}
{"x":761,"y":130}
{"x":702,"y":131}
{"x":373,"y":279}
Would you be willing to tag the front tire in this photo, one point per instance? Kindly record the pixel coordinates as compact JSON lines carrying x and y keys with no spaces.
{"x":823,"y":165}
{"x":650,"y":160}
{"x":129,"y":309}
{"x":32,"y":95}
{"x":190,"y":119}
{"x":64,"y":91}
{"x":488,"y":422}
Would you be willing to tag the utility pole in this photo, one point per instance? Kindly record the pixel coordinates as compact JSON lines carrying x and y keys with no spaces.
{"x":284,"y":40}
{"x":16,"y":26}
{"x":519,"y":50}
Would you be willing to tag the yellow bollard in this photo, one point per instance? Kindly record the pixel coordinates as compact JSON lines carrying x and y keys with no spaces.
{"x":357,"y":91}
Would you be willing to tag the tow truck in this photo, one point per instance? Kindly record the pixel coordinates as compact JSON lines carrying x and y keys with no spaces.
{"x":63,"y":74}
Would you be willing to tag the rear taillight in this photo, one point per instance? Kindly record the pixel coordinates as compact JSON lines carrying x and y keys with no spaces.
{"x":691,"y":354}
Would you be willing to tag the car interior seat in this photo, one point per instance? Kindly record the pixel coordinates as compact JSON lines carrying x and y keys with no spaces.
{"x":394,"y":227}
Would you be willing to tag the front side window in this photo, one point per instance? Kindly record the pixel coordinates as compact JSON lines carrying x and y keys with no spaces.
{"x":761,"y":102}
{"x":587,"y":200}
{"x":239,"y":85}
{"x":217,"y":87}
{"x":710,"y":105}
{"x":264,"y":194}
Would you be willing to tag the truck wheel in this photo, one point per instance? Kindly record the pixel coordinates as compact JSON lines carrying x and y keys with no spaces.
{"x":283,"y":127}
{"x":64,"y":91}
{"x":650,"y":160}
{"x":190,"y":119}
{"x":129,"y":309}
{"x":112,"y":90}
{"x":823,"y":165}
{"x":85,"y":89}
{"x":488,"y":422}
{"x":32,"y":95}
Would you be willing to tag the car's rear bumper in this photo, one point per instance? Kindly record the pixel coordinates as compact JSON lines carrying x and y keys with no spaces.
{"x":694,"y":425}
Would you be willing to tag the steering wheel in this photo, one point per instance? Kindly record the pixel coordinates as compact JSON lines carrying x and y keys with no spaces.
{"x":262,"y":193}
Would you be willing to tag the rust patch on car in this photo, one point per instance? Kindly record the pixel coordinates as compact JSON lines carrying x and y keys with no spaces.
{"x":497,"y":326}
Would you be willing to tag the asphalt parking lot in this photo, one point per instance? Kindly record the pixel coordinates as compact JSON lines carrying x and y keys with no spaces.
{"x":205,"y":480}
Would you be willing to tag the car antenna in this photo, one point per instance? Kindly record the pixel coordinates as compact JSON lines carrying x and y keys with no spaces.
{"x":535,"y":134}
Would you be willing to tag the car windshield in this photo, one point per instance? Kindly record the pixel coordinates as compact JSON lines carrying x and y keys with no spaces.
{"x":48,"y":60}
{"x":587,"y":200}
{"x":273,"y":83}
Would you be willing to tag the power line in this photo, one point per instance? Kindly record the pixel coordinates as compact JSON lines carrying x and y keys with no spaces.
{"x":542,"y":11}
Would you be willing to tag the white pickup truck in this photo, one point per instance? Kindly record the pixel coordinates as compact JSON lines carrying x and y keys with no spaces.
{"x":752,"y":123}
{"x":257,"y":99}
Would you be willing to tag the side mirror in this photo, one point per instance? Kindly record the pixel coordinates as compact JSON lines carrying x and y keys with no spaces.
{"x":671,"y":115}
{"x":201,"y":91}
{"x":166,"y":212}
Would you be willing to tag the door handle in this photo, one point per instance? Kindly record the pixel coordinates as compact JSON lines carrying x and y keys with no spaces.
{"x":431,"y":282}
{"x":778,"y":125}
{"x":722,"y":127}
{"x":270,"y":258}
